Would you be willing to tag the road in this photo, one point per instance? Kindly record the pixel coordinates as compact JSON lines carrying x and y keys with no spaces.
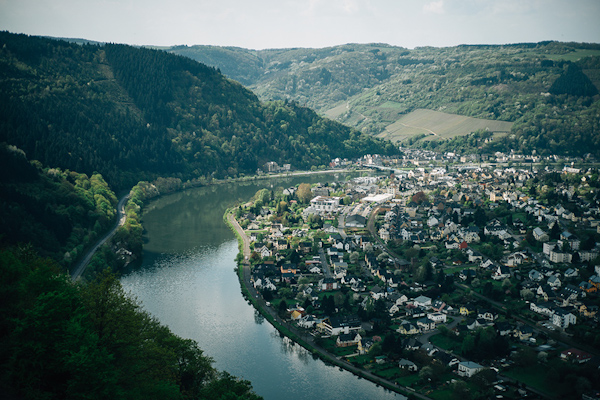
{"x":121,"y":218}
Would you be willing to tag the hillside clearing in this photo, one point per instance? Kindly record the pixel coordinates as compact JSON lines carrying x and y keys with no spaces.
{"x":439,"y":125}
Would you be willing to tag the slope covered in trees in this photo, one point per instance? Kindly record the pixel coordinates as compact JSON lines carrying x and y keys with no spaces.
{"x":62,"y":341}
{"x":548,"y":89}
{"x":134,"y":114}
{"x":58,"y":212}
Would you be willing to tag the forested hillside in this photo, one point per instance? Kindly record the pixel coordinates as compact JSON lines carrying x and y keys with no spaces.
{"x":59,"y":340}
{"x":548,"y":89}
{"x":57,"y":212}
{"x":135,"y":114}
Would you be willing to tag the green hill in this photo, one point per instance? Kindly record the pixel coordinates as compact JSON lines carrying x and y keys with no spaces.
{"x":135,"y":114}
{"x":371,"y":86}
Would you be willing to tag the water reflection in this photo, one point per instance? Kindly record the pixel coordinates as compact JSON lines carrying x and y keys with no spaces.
{"x":258,"y":318}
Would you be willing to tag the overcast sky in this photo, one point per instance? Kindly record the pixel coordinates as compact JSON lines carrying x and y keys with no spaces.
{"x":260,"y":24}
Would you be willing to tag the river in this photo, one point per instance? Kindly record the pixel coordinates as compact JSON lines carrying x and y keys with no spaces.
{"x":188,"y":282}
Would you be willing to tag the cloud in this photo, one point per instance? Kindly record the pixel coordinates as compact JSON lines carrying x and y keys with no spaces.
{"x":435,"y":7}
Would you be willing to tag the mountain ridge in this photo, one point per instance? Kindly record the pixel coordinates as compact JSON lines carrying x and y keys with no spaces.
{"x":353,"y":84}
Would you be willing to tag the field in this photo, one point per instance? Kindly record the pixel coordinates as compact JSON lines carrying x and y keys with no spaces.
{"x":573,"y":55}
{"x":439,"y":125}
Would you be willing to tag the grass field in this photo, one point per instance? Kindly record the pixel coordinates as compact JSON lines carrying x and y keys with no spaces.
{"x":445,"y":342}
{"x":573,"y":56}
{"x":535,"y":376}
{"x":439,"y":125}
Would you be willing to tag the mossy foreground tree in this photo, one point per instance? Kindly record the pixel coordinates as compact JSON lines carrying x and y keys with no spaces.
{"x":59,"y":340}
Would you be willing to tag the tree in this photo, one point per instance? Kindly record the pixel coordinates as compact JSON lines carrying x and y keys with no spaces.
{"x":282,"y":308}
{"x":460,"y":390}
{"x":555,"y":231}
{"x":304,"y":193}
{"x":328,"y":305}
{"x":419,"y":197}
{"x":468,"y":345}
{"x":526,"y":294}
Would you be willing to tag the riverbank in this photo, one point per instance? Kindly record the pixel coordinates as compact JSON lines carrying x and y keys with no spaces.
{"x":302,"y":338}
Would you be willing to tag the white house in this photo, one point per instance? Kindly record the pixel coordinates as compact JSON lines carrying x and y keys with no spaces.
{"x":468,"y":368}
{"x":563,"y":318}
{"x":325,"y":204}
{"x":422,"y":301}
{"x":437,"y":317}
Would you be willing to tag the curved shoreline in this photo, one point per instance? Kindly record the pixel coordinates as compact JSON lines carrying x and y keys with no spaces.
{"x":303,"y":339}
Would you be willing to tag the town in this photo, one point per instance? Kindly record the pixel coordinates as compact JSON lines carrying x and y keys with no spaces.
{"x":445,"y":276}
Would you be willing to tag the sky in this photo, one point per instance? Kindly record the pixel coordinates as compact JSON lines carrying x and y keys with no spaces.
{"x":262,"y":24}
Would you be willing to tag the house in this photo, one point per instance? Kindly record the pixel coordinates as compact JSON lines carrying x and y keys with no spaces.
{"x":474,"y":256}
{"x":296,"y":315}
{"x":467,"y":309}
{"x":437,"y":317}
{"x":356,"y":221}
{"x":466,"y":274}
{"x":288,"y":271}
{"x":336,"y":325}
{"x":422,"y":301}
{"x":575,"y":355}
{"x":516,"y":259}
{"x":364,"y":345}
{"x":377,"y":292}
{"x":307,"y":321}
{"x":468,"y":368}
{"x":440,"y":307}
{"x":348,"y":339}
{"x":554,"y":282}
{"x":523,"y":332}
{"x":563,"y":318}
{"x":329,"y":284}
{"x":487,"y":264}
{"x":429,"y":349}
{"x":540,"y":235}
{"x":425,"y":324}
{"x":407,"y":328}
{"x":325,"y":204}
{"x":544,"y":308}
{"x":535,"y":276}
{"x":407,"y":365}
{"x":502,"y":272}
{"x":381,"y":359}
{"x":587,"y":287}
{"x":446,"y":358}
{"x":488,"y":315}
{"x":503,"y":328}
{"x":411,"y":344}
{"x":588,"y":309}
{"x":264,"y":251}
{"x":571,"y":273}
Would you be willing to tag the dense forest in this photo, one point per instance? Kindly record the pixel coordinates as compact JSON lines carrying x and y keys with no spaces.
{"x":135,"y":114}
{"x":61,"y":340}
{"x":58,"y":212}
{"x":548,"y":89}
